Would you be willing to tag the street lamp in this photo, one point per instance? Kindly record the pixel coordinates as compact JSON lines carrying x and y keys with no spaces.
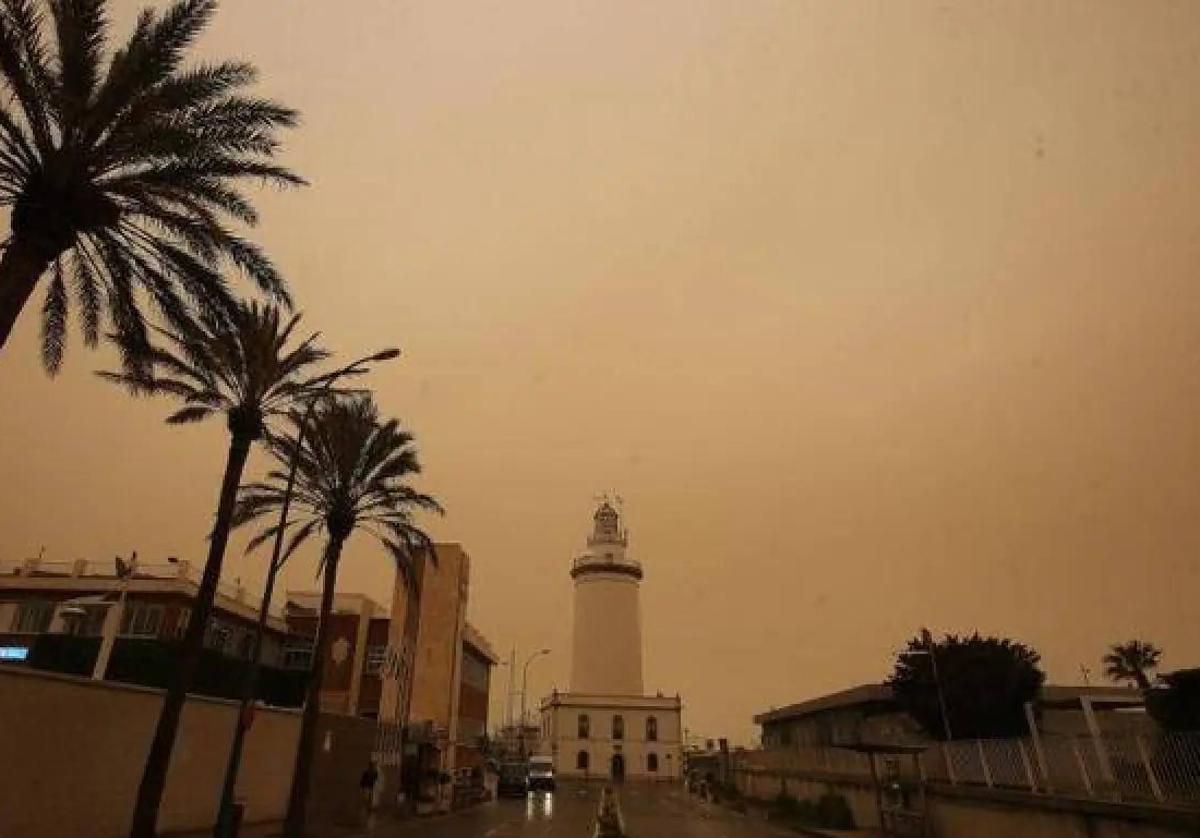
{"x":224,"y":825}
{"x":524,"y":689}
{"x":937,"y":681}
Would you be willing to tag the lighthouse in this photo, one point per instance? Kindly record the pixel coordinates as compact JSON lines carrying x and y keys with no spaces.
{"x":606,"y":654}
{"x":604,"y":725}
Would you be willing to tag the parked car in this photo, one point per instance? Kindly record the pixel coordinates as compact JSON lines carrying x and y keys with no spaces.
{"x":513,"y":780}
{"x":541,"y":773}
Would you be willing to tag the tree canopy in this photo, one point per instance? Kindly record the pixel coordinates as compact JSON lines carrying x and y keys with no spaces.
{"x":985,"y":682}
{"x":1132,"y":661}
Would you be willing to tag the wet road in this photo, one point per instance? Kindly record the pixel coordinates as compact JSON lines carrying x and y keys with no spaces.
{"x":650,"y":810}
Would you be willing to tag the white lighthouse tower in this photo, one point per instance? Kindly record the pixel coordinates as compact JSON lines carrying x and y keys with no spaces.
{"x":605,"y":726}
{"x":607,"y":652}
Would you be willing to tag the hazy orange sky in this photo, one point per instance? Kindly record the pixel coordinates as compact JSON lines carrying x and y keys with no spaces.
{"x":877,"y":315}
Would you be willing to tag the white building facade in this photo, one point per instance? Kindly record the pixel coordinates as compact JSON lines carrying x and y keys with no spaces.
{"x":605,"y":727}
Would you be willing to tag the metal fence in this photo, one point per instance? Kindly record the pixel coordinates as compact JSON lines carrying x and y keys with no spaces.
{"x":1143,"y":768}
{"x":1163,"y":768}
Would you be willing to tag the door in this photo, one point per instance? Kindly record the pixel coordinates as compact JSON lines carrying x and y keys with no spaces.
{"x":618,"y":767}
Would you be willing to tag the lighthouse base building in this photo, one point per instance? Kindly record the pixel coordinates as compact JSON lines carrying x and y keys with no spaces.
{"x":613,"y":736}
{"x":605,"y":727}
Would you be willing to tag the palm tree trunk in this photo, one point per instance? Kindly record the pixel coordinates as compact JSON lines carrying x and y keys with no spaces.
{"x":1143,"y":682}
{"x":295,"y":822}
{"x":154,"y":776}
{"x":21,"y":266}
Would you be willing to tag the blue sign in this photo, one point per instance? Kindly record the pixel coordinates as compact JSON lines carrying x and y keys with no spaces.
{"x":14,"y":653}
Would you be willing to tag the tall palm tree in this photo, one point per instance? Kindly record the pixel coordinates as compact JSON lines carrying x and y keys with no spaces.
{"x":122,"y":175}
{"x":352,"y":474}
{"x":246,"y":372}
{"x":1132,"y":661}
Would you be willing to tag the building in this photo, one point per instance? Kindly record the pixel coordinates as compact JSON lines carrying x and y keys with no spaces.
{"x":352,"y":682}
{"x":866,"y":713}
{"x":439,"y":678}
{"x":40,"y":597}
{"x":605,"y":726}
{"x":870,"y":714}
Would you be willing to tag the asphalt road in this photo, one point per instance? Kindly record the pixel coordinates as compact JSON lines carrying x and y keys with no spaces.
{"x":650,"y":810}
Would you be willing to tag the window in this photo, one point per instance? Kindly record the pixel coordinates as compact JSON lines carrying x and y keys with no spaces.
{"x":581,"y":761}
{"x":33,"y":617}
{"x":297,"y":654}
{"x":376,"y":655}
{"x":585,"y":726}
{"x":651,"y":729}
{"x":141,"y":620}
{"x":618,"y":727}
{"x":652,"y":763}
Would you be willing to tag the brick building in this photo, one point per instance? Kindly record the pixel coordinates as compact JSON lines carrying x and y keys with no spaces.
{"x":442,"y":669}
{"x":353,"y":680}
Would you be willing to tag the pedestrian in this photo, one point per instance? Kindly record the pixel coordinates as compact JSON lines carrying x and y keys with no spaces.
{"x":366,"y":785}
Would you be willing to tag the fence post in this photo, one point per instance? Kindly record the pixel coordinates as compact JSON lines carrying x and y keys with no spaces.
{"x":1150,"y":775}
{"x":1083,"y":772}
{"x":949,"y":765}
{"x":1106,"y":772}
{"x":987,"y":772}
{"x":1028,"y":766}
{"x":1036,"y":736}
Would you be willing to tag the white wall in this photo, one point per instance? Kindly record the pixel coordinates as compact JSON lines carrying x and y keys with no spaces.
{"x":565,"y":743}
{"x":607,"y":653}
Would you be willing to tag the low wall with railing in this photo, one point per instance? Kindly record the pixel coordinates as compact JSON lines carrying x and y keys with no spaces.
{"x":1063,"y":781}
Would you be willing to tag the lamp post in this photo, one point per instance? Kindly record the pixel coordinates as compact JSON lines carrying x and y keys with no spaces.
{"x":224,"y":827}
{"x":114,"y":615}
{"x":937,"y":681}
{"x":524,"y":688}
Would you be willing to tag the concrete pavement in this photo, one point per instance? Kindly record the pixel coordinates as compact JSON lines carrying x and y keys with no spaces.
{"x":651,"y":810}
{"x":656,"y":810}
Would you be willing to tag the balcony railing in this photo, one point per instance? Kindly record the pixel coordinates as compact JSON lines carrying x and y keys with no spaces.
{"x":94,"y":570}
{"x":599,"y":564}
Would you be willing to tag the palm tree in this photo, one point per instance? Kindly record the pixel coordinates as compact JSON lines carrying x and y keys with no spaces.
{"x":1131,"y":661}
{"x":122,"y":175}
{"x":352,"y":474}
{"x":245,"y":372}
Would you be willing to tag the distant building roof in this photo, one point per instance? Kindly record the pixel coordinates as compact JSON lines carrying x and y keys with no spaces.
{"x":475,"y":639}
{"x":862,"y":695}
{"x":880,"y":696}
{"x":343,"y":603}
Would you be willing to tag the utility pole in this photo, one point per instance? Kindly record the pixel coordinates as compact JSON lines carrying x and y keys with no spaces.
{"x":508,"y":696}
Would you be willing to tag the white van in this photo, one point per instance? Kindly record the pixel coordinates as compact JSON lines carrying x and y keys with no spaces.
{"x":541,"y":773}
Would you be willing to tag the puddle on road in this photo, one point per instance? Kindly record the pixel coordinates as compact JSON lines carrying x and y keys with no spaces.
{"x":539,"y":806}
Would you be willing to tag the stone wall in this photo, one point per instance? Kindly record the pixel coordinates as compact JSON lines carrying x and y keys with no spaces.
{"x":74,"y":750}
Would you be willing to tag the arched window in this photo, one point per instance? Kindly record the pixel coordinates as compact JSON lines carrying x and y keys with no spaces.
{"x":652,"y":763}
{"x":651,"y":729}
{"x":585,"y":726}
{"x":618,"y":727}
{"x":581,"y":761}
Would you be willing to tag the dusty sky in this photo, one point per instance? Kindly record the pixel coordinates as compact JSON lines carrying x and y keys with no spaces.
{"x":876,"y":314}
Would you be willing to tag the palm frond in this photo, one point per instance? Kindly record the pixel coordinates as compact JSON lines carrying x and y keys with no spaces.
{"x":132,"y":171}
{"x":54,"y":322}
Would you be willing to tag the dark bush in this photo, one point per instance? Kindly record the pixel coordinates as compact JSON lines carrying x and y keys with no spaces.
{"x":833,"y":812}
{"x":1176,"y":704}
{"x":785,"y":803}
